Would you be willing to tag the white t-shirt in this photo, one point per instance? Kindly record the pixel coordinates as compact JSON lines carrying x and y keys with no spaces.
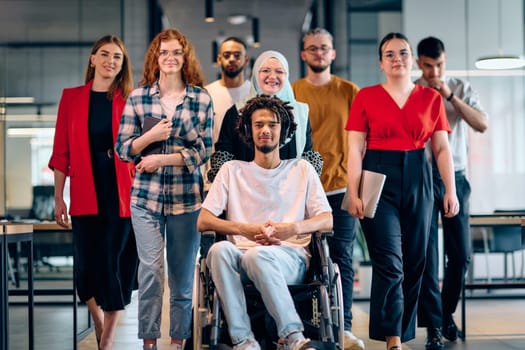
{"x":223,"y":98}
{"x":248,"y":193}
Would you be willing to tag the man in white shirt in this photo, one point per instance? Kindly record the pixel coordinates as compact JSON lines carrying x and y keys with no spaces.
{"x":232,"y":86}
{"x":271,"y":206}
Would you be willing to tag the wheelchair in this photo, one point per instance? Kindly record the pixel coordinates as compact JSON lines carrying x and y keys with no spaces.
{"x":318,"y":301}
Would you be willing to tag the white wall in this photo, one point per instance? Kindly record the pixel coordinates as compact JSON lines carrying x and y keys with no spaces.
{"x":469,"y":29}
{"x":18,"y":173}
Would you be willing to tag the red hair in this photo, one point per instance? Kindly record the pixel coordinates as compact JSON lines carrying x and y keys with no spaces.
{"x":191,"y":70}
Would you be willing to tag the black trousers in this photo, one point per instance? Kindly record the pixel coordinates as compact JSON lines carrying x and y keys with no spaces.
{"x":341,"y":246}
{"x":433,"y":303}
{"x":397,"y":240}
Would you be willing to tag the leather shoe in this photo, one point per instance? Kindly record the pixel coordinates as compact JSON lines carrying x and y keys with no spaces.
{"x":434,"y":339}
{"x":450,"y":329}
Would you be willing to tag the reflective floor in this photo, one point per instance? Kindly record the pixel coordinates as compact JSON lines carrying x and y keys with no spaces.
{"x":492,"y":324}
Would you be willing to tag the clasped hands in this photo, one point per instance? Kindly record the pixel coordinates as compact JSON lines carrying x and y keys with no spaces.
{"x":271,"y":233}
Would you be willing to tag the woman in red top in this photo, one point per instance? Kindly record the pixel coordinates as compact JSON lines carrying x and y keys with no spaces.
{"x":389,"y":124}
{"x":87,"y":124}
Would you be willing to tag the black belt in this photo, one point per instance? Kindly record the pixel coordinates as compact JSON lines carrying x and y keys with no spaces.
{"x":393,"y":157}
{"x":109,"y":153}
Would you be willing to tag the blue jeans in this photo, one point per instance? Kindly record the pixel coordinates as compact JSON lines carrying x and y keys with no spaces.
{"x":271,"y":269}
{"x":179,"y":235}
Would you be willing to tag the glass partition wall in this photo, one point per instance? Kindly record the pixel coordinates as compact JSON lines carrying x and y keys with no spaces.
{"x":36,"y":74}
{"x":3,"y":68}
{"x":32,"y":77}
{"x":44,"y":48}
{"x":497,"y":157}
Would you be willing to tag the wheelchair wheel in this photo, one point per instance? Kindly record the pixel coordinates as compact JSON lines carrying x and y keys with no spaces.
{"x":199,"y":316}
{"x":206,"y":329}
{"x":338,"y":312}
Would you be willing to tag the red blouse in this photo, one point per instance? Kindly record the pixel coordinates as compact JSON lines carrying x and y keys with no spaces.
{"x":389,"y":127}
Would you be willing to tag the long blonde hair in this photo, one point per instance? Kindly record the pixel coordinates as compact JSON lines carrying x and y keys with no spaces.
{"x":191,"y":70}
{"x":124,"y":79}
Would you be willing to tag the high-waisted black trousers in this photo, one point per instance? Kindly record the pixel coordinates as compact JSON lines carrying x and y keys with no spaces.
{"x":397,"y":239}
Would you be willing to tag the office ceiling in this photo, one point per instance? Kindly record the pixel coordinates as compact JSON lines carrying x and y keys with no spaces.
{"x":274,"y":17}
{"x":63,"y":23}
{"x":280,"y":22}
{"x":375,"y":5}
{"x":53,"y":19}
{"x":36,"y":21}
{"x":273,"y":14}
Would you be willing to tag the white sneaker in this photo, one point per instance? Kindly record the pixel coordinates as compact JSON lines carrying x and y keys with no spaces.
{"x":248,"y":344}
{"x":300,"y":344}
{"x":351,"y":342}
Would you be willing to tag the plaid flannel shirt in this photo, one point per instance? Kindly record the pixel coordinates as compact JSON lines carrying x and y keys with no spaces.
{"x":170,"y":190}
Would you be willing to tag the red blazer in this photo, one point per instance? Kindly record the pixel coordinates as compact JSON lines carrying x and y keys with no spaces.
{"x":71,"y":153}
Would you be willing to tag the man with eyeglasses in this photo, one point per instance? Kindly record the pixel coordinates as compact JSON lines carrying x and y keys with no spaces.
{"x":232,"y":85}
{"x":329,"y":98}
{"x":464,"y":111}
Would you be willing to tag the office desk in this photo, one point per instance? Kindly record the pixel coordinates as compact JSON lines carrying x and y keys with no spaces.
{"x":493,"y":220}
{"x":54,"y":227}
{"x":15,"y":233}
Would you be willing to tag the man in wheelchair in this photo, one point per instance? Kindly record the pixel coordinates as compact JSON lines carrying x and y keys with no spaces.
{"x":271,"y":208}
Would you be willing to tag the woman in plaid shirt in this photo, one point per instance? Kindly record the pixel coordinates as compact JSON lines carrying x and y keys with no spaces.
{"x":166,"y":129}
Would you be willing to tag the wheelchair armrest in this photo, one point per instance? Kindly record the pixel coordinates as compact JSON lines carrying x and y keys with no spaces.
{"x":324,"y":233}
{"x":207,"y":239}
{"x":208,"y":234}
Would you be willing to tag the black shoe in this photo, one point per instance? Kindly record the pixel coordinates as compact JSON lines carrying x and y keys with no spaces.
{"x":450,"y":330}
{"x":434,"y":339}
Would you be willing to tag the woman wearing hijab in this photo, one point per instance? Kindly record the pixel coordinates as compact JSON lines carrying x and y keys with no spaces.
{"x":270,"y":77}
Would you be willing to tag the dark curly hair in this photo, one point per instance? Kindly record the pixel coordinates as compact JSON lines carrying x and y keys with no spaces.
{"x":281,"y":109}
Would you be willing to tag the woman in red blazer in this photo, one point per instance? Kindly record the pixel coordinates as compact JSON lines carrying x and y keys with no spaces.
{"x":104,"y":244}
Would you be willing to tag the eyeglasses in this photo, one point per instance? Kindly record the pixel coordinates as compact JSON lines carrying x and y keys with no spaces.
{"x":227,"y":54}
{"x":269,"y":71}
{"x":313,"y":49}
{"x":174,"y":53}
{"x":391,"y":56}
